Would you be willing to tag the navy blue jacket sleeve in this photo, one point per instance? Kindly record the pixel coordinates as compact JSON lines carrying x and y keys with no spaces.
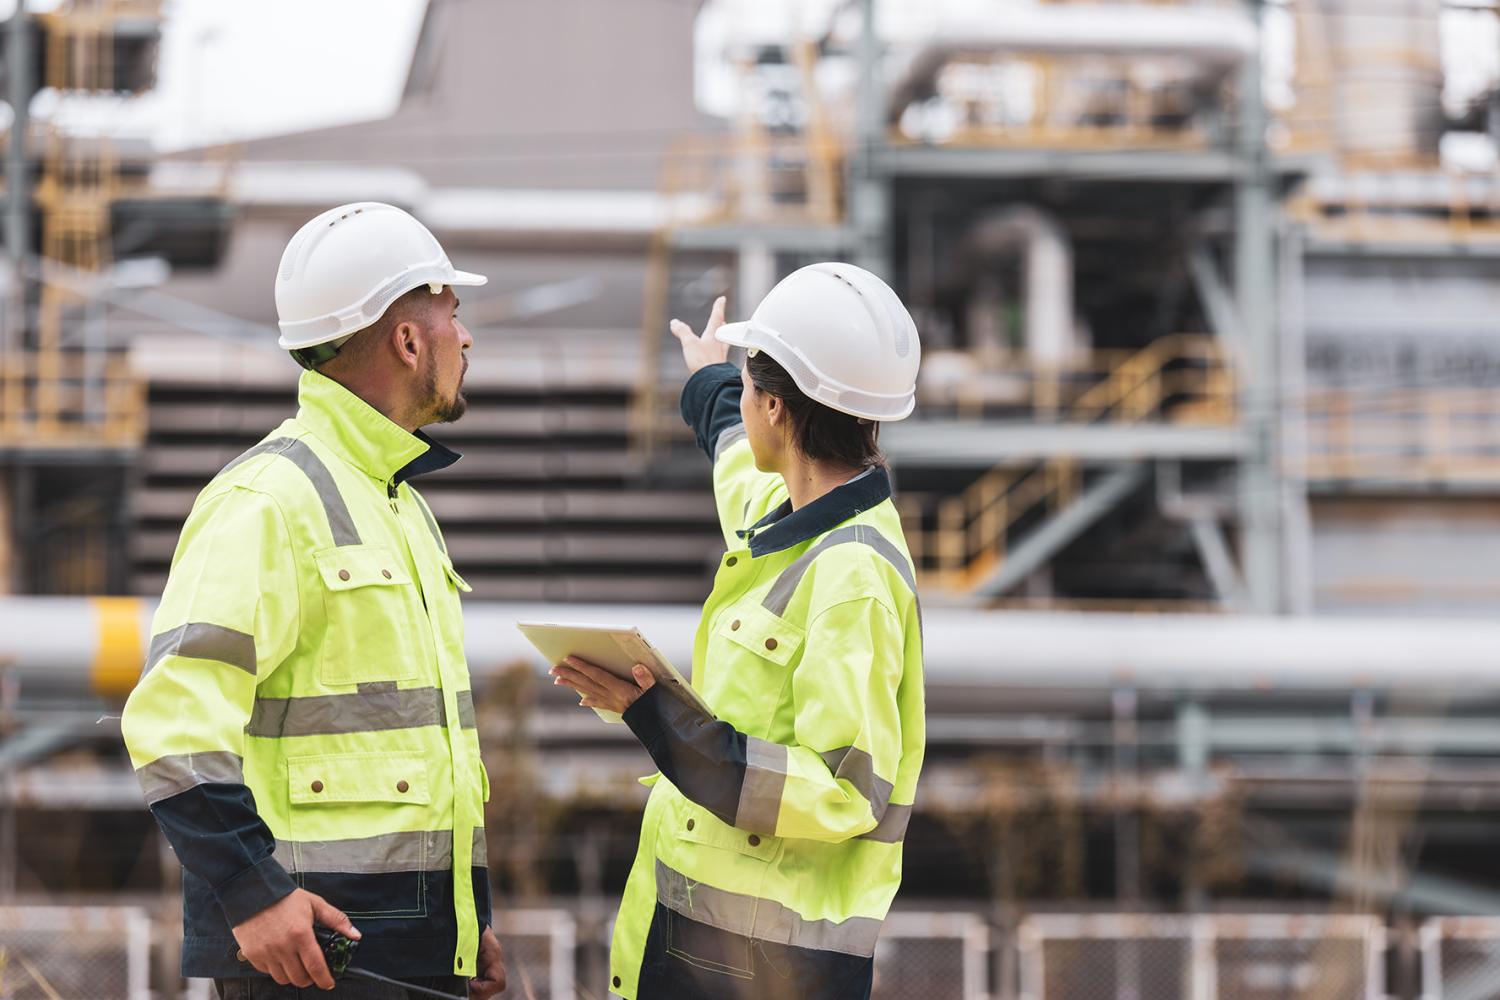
{"x":711,"y":403}
{"x":703,"y":757}
{"x":218,"y":836}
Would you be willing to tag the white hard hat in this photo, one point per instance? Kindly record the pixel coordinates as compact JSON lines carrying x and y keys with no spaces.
{"x":343,"y":269}
{"x":842,"y":335}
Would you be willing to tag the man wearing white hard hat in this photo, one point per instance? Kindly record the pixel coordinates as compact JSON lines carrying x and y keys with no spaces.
{"x":771,"y":845}
{"x":304,"y":729}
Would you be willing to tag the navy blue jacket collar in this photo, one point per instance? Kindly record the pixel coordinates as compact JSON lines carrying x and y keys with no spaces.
{"x":436,"y":457}
{"x":784,"y":527}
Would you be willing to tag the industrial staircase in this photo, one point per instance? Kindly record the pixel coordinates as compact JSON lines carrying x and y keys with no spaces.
{"x":984,"y":540}
{"x":547,"y":504}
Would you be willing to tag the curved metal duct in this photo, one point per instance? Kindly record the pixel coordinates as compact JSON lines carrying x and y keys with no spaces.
{"x":1047,"y":257}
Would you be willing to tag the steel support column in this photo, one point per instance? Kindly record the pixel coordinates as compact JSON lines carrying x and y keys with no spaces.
{"x":1297,"y":533}
{"x":1255,"y":289}
{"x":869,"y":191}
{"x":17,"y":177}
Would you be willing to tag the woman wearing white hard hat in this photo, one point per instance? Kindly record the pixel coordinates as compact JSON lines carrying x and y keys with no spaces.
{"x":770,"y":849}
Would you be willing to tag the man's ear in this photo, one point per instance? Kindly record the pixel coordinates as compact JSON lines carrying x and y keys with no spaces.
{"x":407,"y":341}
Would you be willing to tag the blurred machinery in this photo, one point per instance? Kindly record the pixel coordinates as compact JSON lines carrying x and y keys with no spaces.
{"x":81,"y":208}
{"x":1183,"y":346}
{"x":1201,"y":486}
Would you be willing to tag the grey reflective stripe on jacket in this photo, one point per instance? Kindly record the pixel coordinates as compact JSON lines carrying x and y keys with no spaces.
{"x":762,"y":919}
{"x":857,"y":767}
{"x":780,"y":595}
{"x":203,"y":641}
{"x":765,"y":779}
{"x":728,"y":438}
{"x":167,"y":776}
{"x":422,"y":850}
{"x":373,"y":708}
{"x":340,"y":523}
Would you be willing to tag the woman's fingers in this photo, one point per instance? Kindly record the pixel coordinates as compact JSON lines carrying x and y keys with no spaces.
{"x":598,"y":675}
{"x":595,"y":680}
{"x":715,"y":318}
{"x":568,"y":677}
{"x":681,"y":330}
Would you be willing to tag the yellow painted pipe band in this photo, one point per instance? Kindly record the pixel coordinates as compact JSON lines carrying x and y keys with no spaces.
{"x":119,"y":654}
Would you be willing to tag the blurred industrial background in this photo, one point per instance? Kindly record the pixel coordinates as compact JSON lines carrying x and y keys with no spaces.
{"x":1204,"y":481}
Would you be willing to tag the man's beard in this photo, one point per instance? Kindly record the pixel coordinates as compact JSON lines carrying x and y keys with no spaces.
{"x":445,"y":411}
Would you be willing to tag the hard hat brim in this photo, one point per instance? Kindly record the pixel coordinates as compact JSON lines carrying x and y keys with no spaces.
{"x":467,"y":278}
{"x":733,"y":334}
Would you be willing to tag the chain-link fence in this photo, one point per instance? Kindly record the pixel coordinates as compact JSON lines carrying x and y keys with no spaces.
{"x":937,"y":956}
{"x":1461,"y":958}
{"x":1215,"y":957}
{"x":540,"y":952}
{"x":74,"y":953}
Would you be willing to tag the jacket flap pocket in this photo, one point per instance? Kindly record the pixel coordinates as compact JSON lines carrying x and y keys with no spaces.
{"x":350,"y":566}
{"x":699,"y":826}
{"x":394,"y":776}
{"x":757,"y":630}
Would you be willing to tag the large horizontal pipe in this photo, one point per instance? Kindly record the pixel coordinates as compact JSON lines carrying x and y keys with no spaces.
{"x":83,"y":646}
{"x":1213,"y":36}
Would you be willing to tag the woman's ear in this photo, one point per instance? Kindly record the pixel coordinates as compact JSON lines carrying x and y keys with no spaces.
{"x":775,"y":409}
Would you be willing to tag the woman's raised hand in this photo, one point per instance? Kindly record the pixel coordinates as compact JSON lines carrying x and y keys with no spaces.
{"x":700,"y":352}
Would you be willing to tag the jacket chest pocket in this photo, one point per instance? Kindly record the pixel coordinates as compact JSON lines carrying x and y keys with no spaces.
{"x":337,"y":803}
{"x":751,"y":656}
{"x":377,"y":628}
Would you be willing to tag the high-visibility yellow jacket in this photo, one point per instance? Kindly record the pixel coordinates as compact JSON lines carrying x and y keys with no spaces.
{"x":305,"y":715}
{"x":770,"y":849}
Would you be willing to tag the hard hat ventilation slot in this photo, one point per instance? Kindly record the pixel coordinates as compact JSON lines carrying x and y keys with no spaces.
{"x":903,"y":334}
{"x":292,"y":256}
{"x":387,"y":293}
{"x":804,"y":376}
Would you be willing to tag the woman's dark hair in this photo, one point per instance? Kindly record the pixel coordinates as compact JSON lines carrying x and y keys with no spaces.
{"x":820,"y":433}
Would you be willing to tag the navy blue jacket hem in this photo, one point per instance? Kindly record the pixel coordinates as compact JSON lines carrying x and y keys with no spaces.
{"x":402,"y":957}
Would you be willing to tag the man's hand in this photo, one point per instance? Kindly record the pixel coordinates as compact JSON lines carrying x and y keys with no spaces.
{"x":279,"y":939}
{"x":598,"y":687}
{"x":491,"y":979}
{"x":700,"y":352}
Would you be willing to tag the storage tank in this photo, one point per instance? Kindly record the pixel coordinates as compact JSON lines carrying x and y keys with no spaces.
{"x":1372,"y":75}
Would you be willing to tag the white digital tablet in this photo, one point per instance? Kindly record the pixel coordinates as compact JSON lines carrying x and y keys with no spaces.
{"x":616,"y":648}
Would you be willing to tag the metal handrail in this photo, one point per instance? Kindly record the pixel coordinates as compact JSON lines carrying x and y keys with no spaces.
{"x":1444,"y":434}
{"x":972,"y":528}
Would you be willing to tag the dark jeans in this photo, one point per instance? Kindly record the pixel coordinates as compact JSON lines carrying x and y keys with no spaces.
{"x":347,"y":988}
